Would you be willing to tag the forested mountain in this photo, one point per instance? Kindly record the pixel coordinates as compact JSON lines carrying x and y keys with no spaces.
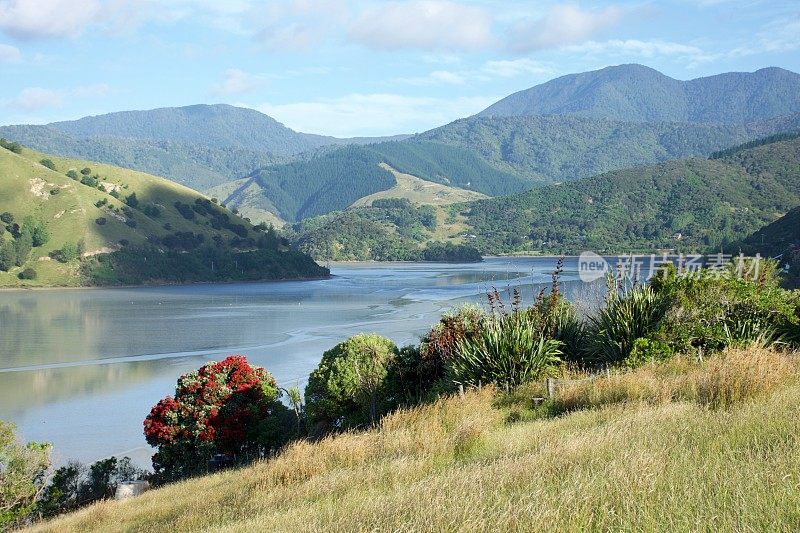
{"x":636,"y":93}
{"x":194,"y":165}
{"x":336,"y":179}
{"x":199,"y":146}
{"x":687,"y":205}
{"x":559,"y":148}
{"x":217,"y":126}
{"x":780,"y":240}
{"x":72,"y":222}
{"x":690,"y":204}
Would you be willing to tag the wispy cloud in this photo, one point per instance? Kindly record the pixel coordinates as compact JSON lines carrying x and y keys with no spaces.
{"x":33,"y":99}
{"x":561,"y":25}
{"x":237,"y":81}
{"x":9,"y":54}
{"x":373,"y":114}
{"x":422,"y":24}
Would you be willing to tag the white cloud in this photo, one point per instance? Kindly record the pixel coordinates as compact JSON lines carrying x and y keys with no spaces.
{"x":9,"y":54}
{"x":562,"y":25}
{"x":438,"y":77}
{"x":422,"y":24}
{"x":635,"y":47}
{"x":47,"y":18}
{"x":510,"y":68}
{"x":238,"y":81}
{"x":33,"y":99}
{"x":373,"y":114}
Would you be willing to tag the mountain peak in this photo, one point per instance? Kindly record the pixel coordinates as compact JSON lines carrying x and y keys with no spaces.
{"x":638,"y":93}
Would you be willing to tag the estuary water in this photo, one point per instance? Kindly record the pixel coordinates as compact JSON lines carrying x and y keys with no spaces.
{"x":81,"y":368}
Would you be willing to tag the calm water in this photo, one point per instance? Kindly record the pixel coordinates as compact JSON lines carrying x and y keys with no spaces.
{"x":81,"y":368}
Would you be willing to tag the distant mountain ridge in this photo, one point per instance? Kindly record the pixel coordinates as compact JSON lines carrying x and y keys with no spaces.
{"x":636,"y":93}
{"x":215,"y":125}
{"x":200,"y":146}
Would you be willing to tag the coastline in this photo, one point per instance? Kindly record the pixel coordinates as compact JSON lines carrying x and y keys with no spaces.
{"x":154,"y":285}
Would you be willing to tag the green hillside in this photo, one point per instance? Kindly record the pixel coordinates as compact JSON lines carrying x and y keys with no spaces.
{"x":199,"y":146}
{"x":637,"y":93}
{"x":99,"y":226}
{"x":194,"y":165}
{"x":390,"y":229}
{"x":691,"y":204}
{"x":336,"y":179}
{"x":781,"y":239}
{"x":561,"y":148}
{"x":685,"y":205}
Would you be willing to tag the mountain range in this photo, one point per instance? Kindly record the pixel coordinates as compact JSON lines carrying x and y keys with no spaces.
{"x":684,"y":205}
{"x":636,"y":93}
{"x":569,"y":128}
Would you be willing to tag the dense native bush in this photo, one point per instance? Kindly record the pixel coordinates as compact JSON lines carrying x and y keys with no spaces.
{"x":75,"y":485}
{"x":226,"y":407}
{"x":23,"y":469}
{"x":711,"y":310}
{"x":28,"y":273}
{"x":348,"y":387}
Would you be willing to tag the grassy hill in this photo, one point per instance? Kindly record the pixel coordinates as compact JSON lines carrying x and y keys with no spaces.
{"x":418,"y":191}
{"x":637,"y":93}
{"x":109,"y":214}
{"x":389,"y":229}
{"x":337,"y":179}
{"x":625,"y":461}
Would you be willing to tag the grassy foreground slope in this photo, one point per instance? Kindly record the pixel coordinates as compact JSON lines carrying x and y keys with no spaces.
{"x":71,"y":210}
{"x":725,"y":456}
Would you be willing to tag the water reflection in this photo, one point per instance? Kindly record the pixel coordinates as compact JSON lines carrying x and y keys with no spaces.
{"x":81,"y":368}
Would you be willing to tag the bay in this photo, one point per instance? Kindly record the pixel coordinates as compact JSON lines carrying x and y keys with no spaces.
{"x":81,"y":368}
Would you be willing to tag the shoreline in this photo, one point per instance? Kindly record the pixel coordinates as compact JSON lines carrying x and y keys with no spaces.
{"x":155,"y":285}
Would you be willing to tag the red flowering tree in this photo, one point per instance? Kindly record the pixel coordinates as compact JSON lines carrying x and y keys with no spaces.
{"x":227,"y":407}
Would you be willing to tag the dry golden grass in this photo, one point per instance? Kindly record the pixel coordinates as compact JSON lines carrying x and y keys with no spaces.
{"x":647,"y":463}
{"x":733,"y":376}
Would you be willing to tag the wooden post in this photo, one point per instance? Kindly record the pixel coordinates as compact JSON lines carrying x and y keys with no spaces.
{"x":551,"y":388}
{"x":461,"y":390}
{"x":507,"y":387}
{"x":480,"y":386}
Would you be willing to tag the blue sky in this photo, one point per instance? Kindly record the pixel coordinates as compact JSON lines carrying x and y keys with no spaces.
{"x":358,"y":67}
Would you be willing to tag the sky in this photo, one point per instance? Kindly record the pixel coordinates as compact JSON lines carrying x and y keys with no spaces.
{"x":359,"y":67}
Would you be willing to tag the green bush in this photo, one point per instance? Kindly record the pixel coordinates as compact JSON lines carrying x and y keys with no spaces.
{"x":73,"y":175}
{"x":511,"y":349}
{"x":630,"y":313}
{"x":48,"y":163}
{"x":75,"y":485}
{"x":710,"y":310}
{"x":647,"y":351}
{"x":346,"y":389}
{"x":28,"y":273}
{"x":23,"y":469}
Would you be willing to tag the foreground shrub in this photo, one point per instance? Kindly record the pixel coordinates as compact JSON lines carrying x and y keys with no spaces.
{"x":721,"y":381}
{"x":418,"y":371}
{"x":345,"y":390}
{"x":630,"y":313}
{"x":511,"y":349}
{"x":227,"y":407}
{"x":709,"y":311}
{"x":23,"y":469}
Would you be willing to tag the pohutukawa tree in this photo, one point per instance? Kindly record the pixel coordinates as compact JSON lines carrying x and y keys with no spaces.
{"x":225,"y":407}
